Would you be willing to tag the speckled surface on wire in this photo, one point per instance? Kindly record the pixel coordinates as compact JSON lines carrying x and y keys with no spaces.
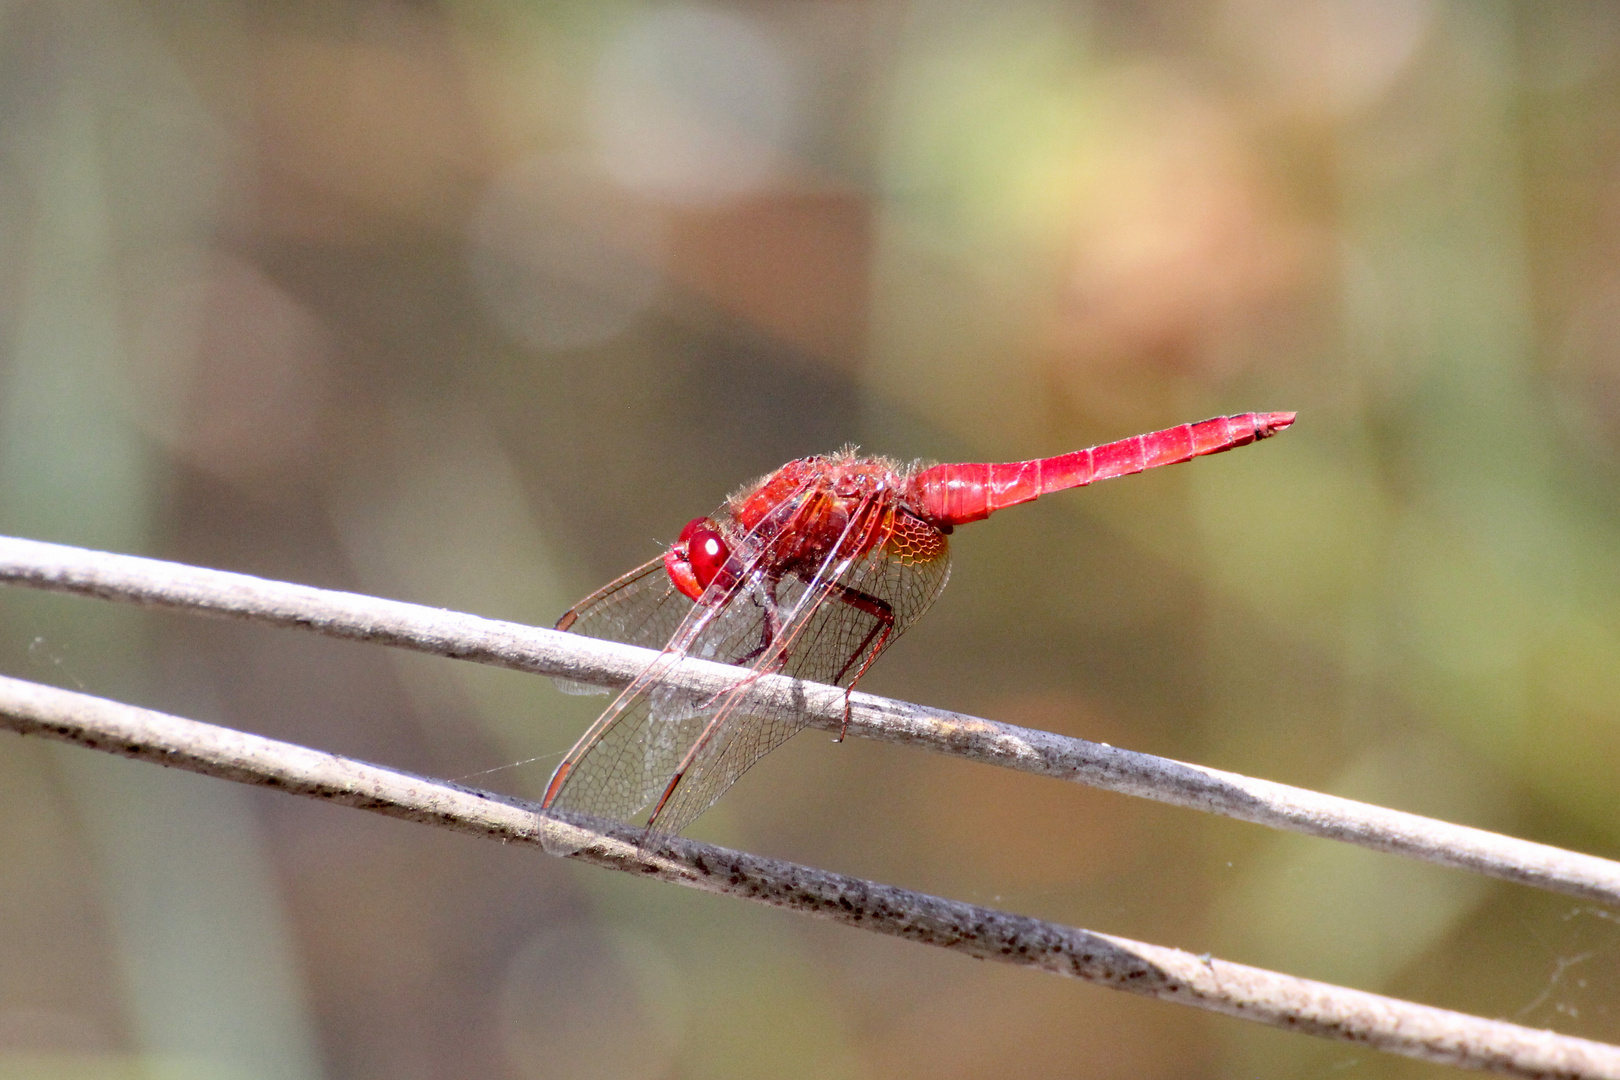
{"x":354,"y":617}
{"x":1268,"y":997}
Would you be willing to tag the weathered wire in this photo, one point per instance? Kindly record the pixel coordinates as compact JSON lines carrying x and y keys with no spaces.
{"x":175,"y":586}
{"x":1284,"y":1001}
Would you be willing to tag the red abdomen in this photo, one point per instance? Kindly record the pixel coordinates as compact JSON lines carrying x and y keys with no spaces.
{"x":951,"y":495}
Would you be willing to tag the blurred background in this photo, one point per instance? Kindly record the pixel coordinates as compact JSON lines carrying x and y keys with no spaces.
{"x":475,"y":302}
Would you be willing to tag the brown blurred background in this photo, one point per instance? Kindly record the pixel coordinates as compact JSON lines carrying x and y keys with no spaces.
{"x":474,"y":303}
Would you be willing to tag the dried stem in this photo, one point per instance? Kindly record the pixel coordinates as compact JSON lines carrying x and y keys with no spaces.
{"x":1315,"y":1008}
{"x":445,"y":633}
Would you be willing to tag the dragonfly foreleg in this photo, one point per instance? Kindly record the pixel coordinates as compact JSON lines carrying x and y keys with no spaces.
{"x":883,"y":612}
{"x":771,"y":625}
{"x":770,"y":630}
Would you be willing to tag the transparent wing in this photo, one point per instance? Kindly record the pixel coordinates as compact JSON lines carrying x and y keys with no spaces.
{"x":826,"y":623}
{"x":832,"y":637}
{"x":656,"y":741}
{"x":626,"y":757}
{"x":642,"y":608}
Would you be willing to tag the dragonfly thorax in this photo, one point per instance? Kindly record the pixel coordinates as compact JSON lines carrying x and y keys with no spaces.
{"x":814,"y":507}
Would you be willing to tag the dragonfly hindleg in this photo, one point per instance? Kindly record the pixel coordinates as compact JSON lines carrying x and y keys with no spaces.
{"x":883,"y":612}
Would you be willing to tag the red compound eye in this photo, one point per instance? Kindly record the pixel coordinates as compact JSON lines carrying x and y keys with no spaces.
{"x":697,"y":558}
{"x":706,"y":550}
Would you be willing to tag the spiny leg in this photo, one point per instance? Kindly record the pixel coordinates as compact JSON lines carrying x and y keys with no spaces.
{"x":772,"y":623}
{"x":883,"y":612}
{"x":768,"y":636}
{"x":769,"y":632}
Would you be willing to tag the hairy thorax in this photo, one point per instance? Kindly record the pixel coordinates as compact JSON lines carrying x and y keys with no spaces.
{"x":838,"y":505}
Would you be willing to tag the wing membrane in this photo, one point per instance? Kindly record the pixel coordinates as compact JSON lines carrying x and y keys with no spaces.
{"x":818,"y":644}
{"x":642,"y":608}
{"x":657,"y":740}
{"x":626,"y":757}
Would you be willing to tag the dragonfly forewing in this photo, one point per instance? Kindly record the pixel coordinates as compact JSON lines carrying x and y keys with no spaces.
{"x":824,"y":625}
{"x":626,"y":758}
{"x":830,"y":629}
{"x":629,"y":763}
{"x":641,"y":608}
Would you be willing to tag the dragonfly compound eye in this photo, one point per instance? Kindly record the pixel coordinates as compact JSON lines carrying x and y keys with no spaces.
{"x":697,"y":557}
{"x":706,"y":550}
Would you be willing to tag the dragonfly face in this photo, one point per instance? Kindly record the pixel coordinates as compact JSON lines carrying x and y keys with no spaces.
{"x":699,"y":558}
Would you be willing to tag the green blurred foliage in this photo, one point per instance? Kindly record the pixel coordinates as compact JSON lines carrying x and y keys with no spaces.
{"x":474,"y":304}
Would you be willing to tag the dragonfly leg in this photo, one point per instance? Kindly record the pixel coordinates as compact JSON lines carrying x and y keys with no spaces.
{"x":883,"y":612}
{"x":772,"y":624}
{"x":768,"y":634}
{"x":771,"y":631}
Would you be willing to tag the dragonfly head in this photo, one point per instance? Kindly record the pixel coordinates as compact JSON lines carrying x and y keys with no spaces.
{"x":698,"y":557}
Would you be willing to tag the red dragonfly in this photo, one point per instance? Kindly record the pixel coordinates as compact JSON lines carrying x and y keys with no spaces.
{"x":809,"y":572}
